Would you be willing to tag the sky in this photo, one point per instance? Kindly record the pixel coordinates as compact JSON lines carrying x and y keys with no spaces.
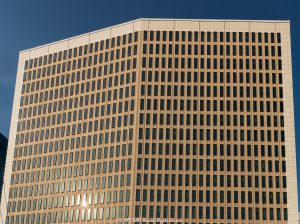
{"x":30,"y":23}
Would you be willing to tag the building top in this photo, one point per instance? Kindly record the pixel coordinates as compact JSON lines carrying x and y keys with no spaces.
{"x":158,"y":24}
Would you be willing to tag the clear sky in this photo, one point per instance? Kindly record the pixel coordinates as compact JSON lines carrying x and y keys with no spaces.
{"x":29,"y":23}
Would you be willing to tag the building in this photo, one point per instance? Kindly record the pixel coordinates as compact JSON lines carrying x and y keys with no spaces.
{"x":3,"y":148}
{"x":182,"y":121}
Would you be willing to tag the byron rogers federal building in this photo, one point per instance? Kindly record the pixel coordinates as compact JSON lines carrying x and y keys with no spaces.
{"x":155,"y":120}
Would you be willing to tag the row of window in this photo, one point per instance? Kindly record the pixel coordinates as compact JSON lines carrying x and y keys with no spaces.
{"x":211,"y":77}
{"x":67,"y":144}
{"x":76,"y":171}
{"x":69,"y":80}
{"x":70,"y":186}
{"x":47,"y":161}
{"x":83,"y":155}
{"x":214,"y":181}
{"x":70,"y":201}
{"x":211,"y":105}
{"x":95,"y":139}
{"x":208,"y":36}
{"x":212,"y":120}
{"x":110,"y":95}
{"x":215,"y":134}
{"x":235,"y":165}
{"x":211,"y":196}
{"x":212,"y":91}
{"x":187,"y":149}
{"x":84,"y":127}
{"x":78,"y":215}
{"x":210,"y":63}
{"x":208,"y":49}
{"x":228,"y":213}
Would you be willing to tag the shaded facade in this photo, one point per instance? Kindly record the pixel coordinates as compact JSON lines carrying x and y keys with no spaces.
{"x":3,"y":149}
{"x":186,"y":121}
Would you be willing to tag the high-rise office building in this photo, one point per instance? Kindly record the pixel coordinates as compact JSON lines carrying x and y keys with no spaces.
{"x":3,"y":149}
{"x":187,"y":121}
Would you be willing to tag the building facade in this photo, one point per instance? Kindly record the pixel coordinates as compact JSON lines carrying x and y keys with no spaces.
{"x":3,"y":149}
{"x":155,"y":120}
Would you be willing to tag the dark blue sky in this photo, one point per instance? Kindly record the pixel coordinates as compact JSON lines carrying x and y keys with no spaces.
{"x":29,"y":23}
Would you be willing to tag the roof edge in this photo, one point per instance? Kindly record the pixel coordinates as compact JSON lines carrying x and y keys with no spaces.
{"x":153,"y":19}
